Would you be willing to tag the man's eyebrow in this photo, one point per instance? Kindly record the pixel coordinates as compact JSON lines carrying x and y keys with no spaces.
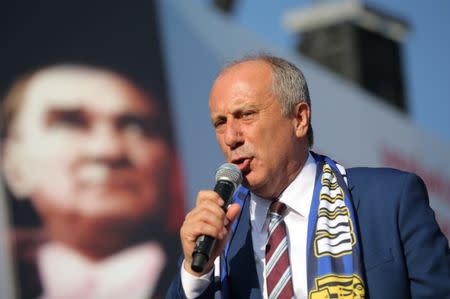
{"x":236,"y":110}
{"x":217,"y":117}
{"x":245,"y":107}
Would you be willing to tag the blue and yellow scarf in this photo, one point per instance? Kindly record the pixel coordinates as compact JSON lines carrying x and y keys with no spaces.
{"x":334,"y":262}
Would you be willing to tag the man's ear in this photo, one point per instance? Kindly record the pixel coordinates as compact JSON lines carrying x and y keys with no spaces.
{"x":301,"y":115}
{"x":13,"y":169}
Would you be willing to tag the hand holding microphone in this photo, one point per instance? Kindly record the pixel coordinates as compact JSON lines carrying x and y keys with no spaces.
{"x":205,"y":224}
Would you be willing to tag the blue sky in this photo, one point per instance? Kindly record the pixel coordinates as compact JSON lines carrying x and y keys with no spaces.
{"x":426,"y":50}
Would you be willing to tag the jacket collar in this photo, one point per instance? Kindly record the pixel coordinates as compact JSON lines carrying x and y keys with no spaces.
{"x":241,"y":263}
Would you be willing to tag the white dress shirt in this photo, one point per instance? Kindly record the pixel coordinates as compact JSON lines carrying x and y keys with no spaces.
{"x":297,"y":197}
{"x":132,"y":273}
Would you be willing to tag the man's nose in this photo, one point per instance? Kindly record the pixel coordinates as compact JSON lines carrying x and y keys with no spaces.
{"x":106,"y":144}
{"x":233,"y":134}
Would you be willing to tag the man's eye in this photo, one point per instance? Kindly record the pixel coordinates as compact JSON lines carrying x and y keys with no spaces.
{"x":248,"y":114}
{"x":219,"y":123}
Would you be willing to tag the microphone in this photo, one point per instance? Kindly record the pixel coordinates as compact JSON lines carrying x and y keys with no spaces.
{"x":228,"y":177}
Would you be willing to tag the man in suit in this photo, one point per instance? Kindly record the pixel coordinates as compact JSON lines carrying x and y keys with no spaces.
{"x":92,"y":152}
{"x":356,"y":233}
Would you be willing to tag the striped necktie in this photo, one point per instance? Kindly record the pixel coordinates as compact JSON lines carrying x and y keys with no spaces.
{"x":278,"y":270}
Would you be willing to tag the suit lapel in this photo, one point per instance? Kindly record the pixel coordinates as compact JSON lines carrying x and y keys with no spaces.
{"x":241,"y":260}
{"x":353,"y":191}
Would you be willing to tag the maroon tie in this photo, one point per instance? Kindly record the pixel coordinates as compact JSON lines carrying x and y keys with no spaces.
{"x":278,"y":270}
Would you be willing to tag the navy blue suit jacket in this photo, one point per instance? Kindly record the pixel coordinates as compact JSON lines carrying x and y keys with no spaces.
{"x":404,"y":253}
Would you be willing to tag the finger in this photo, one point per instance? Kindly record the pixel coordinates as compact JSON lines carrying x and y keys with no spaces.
{"x":196,"y":219}
{"x":211,"y":206}
{"x":217,"y":232}
{"x":209,"y":196}
{"x":206,"y":216}
{"x":207,"y":207}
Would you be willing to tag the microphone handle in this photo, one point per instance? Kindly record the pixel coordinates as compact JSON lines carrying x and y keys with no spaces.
{"x":205,"y":244}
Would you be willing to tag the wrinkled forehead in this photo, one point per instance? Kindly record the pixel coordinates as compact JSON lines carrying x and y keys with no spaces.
{"x":72,"y":87}
{"x":242,"y":82}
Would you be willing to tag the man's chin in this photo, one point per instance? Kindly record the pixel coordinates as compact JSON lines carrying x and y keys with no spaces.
{"x":250,"y":183}
{"x":257,"y":187}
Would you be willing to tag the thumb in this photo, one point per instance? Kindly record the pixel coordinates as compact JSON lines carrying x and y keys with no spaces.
{"x":233,"y":211}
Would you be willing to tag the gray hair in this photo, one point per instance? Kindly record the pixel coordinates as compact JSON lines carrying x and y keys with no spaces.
{"x":288,"y":84}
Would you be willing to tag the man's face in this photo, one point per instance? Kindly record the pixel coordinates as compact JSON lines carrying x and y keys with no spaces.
{"x":89,"y":144}
{"x":251,"y":130}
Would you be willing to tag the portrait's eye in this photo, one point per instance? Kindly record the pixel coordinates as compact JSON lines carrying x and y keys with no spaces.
{"x":72,"y":119}
{"x":142,"y":125}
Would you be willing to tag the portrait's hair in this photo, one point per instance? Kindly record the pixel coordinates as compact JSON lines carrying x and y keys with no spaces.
{"x":13,"y":99}
{"x":288,"y":84}
{"x":12,"y":104}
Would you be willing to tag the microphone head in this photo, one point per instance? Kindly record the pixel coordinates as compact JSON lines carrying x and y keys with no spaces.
{"x":229,"y":172}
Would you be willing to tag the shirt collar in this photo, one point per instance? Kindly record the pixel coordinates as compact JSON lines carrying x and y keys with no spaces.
{"x":297,"y":196}
{"x":121,"y":270}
